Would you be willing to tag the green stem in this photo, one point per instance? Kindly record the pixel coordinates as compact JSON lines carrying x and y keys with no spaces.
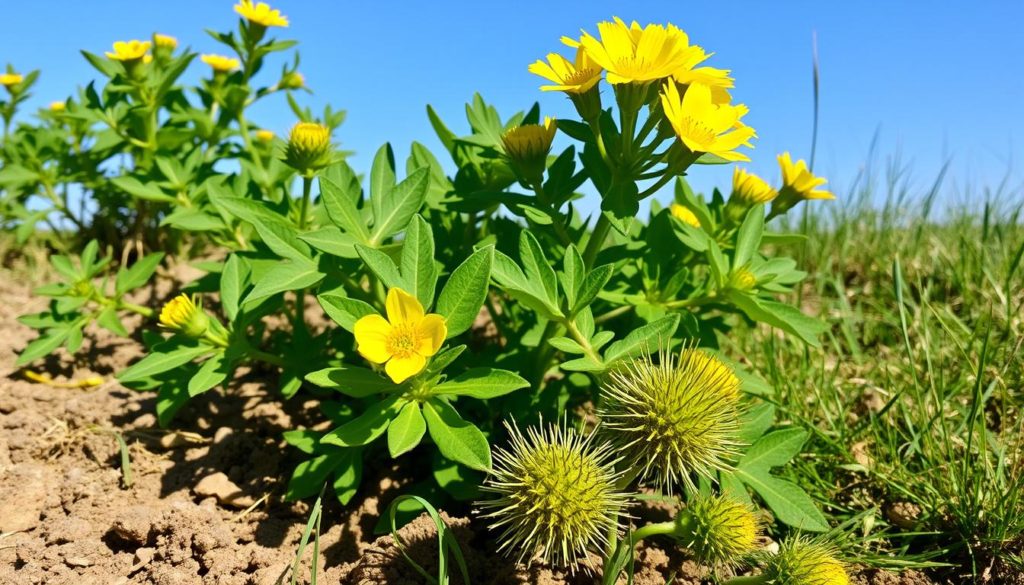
{"x":613,"y":314}
{"x":597,"y":238}
{"x":307,"y":186}
{"x":748,"y":580}
{"x":694,"y":302}
{"x":144,"y":311}
{"x":266,"y":357}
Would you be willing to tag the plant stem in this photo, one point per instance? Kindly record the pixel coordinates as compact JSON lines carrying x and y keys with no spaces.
{"x":613,"y":314}
{"x":307,"y":187}
{"x":266,"y":357}
{"x":597,"y":238}
{"x":144,"y":311}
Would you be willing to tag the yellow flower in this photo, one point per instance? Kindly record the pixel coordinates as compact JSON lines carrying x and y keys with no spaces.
{"x":220,"y":63}
{"x":705,"y":126}
{"x":165,"y":41}
{"x":58,"y":106}
{"x":129,"y":51}
{"x":404,"y":340}
{"x":309,"y":147}
{"x":261,"y":14}
{"x":181,"y":314}
{"x":264,"y":135}
{"x":749,"y":189}
{"x":9,"y":80}
{"x":570,"y":77}
{"x":527,"y":147}
{"x":797,"y":179}
{"x":634,"y":54}
{"x":683,"y":214}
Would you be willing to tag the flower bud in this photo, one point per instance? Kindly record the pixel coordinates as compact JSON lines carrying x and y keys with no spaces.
{"x":181,"y":314}
{"x":264,"y":136}
{"x":58,"y":107}
{"x":132,"y":55}
{"x":220,"y":64}
{"x":309,"y":147}
{"x":683,"y":214}
{"x":10,"y":81}
{"x":292,"y":80}
{"x":798,"y":184}
{"x":163,"y":47}
{"x":527,"y":148}
{"x":742,"y":279}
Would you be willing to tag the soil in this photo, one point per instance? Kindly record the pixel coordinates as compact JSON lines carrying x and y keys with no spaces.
{"x":204,"y":504}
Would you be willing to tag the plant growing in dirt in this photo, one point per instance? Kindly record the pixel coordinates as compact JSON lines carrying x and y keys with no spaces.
{"x":523,"y":287}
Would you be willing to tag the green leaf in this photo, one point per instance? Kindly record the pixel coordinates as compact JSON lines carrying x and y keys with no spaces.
{"x":213,"y":372}
{"x":748,"y":239}
{"x":592,"y":286}
{"x":567,"y":345}
{"x":539,"y":273}
{"x":233,"y":280}
{"x":649,"y":338}
{"x":283,"y":277}
{"x":331,"y":240}
{"x":779,"y":315}
{"x":573,"y":272}
{"x":304,"y":440}
{"x":465,"y":291}
{"x":109,"y":320}
{"x":159,"y":361}
{"x":138,"y":274}
{"x":342,"y":210}
{"x":366,"y":427}
{"x":147,"y":191}
{"x":406,"y":430}
{"x":400,"y":206}
{"x":774,"y":449}
{"x":310,"y":475}
{"x":345,"y":311}
{"x":788,"y":502}
{"x":382,"y":179}
{"x":418,"y":269}
{"x":734,"y":487}
{"x":443,"y":359}
{"x":348,"y":474}
{"x":756,"y":421}
{"x":382,"y":265}
{"x":352,"y":381}
{"x":43,"y":345}
{"x":456,"y":438}
{"x":482,"y":383}
{"x":279,"y":235}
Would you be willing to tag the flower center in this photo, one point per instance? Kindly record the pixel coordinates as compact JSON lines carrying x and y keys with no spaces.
{"x":402,"y":341}
{"x":697,"y":131}
{"x":579,"y":77}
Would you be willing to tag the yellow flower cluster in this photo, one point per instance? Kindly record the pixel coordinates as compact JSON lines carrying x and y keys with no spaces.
{"x":695,"y":100}
{"x":798,"y":184}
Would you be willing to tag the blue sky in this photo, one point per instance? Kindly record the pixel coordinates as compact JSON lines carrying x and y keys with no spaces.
{"x":936,"y":80}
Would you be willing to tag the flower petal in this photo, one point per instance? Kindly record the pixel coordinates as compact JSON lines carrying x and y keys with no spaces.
{"x":430,"y":334}
{"x":402,"y":307}
{"x":401,"y":369}
{"x":371,"y":334}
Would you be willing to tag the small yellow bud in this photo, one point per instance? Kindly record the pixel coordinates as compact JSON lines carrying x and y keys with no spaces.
{"x":183,"y":315}
{"x":527,"y":148}
{"x":165,"y":41}
{"x":742,"y":279}
{"x":683,"y":214}
{"x":309,"y":147}
{"x":220,"y":63}
{"x":58,"y":107}
{"x":264,"y":136}
{"x":721,"y":529}
{"x":293,"y":80}
{"x":9,"y":80}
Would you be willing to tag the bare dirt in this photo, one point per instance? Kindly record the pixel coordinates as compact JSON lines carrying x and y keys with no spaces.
{"x":204,"y":504}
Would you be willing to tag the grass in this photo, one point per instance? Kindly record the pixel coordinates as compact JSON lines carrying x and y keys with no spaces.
{"x":915,"y":396}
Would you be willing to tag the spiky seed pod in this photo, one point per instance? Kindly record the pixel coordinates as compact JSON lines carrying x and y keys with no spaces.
{"x":673,"y":418}
{"x":722,"y":529}
{"x":803,"y":561}
{"x":557,"y":495}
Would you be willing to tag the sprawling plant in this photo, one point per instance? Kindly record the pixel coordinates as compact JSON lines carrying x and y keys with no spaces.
{"x":516,"y":282}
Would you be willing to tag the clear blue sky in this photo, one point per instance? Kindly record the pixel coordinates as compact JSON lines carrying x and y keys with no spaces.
{"x":936,"y":79}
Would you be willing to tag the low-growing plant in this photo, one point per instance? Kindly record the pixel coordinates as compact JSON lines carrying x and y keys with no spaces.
{"x":523,"y":286}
